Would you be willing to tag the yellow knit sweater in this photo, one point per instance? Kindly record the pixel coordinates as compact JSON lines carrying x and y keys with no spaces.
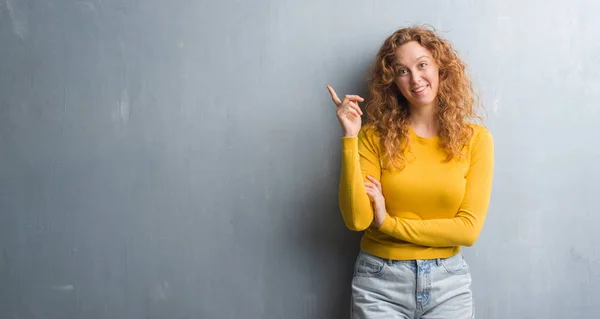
{"x":434,"y":207}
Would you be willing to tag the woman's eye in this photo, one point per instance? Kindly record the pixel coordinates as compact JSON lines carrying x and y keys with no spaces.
{"x":401,"y":72}
{"x":423,"y":64}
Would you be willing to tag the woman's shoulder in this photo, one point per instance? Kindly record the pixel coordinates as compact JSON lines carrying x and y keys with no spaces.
{"x":369,"y":137}
{"x":369,"y":131}
{"x":481,"y":135}
{"x":480,"y":131}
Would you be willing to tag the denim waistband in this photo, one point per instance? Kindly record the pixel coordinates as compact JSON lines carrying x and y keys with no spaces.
{"x":413,"y":262}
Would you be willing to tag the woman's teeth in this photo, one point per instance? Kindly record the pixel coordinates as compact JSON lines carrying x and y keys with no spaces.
{"x":417,"y":90}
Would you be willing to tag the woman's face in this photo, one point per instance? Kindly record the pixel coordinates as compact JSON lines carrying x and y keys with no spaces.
{"x":417,"y":74}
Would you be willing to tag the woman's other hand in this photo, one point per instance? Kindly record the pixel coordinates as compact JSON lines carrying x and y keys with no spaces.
{"x":376,"y":195}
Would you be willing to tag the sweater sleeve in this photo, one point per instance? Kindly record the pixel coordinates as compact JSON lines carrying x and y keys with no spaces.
{"x":465,"y":227}
{"x":360,"y":157}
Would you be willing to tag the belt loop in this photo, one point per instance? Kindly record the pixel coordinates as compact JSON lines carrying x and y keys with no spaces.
{"x":438,"y":261}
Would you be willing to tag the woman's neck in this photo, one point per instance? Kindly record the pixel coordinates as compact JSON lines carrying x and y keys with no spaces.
{"x":423,"y":121}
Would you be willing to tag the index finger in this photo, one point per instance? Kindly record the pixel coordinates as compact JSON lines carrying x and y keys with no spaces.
{"x":334,"y":96}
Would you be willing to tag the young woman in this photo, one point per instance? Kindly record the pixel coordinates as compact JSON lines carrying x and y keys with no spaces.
{"x":416,"y":178}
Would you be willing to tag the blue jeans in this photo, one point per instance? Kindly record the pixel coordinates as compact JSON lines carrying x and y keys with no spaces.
{"x":411,"y":289}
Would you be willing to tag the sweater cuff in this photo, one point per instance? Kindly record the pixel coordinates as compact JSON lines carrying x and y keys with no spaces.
{"x":388,"y":225}
{"x":349,"y":143}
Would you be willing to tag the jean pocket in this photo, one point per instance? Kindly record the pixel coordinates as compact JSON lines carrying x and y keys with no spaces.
{"x":369,"y":266}
{"x":455,"y":265}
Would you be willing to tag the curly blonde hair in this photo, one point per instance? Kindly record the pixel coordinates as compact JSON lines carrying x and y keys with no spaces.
{"x":388,"y":112}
